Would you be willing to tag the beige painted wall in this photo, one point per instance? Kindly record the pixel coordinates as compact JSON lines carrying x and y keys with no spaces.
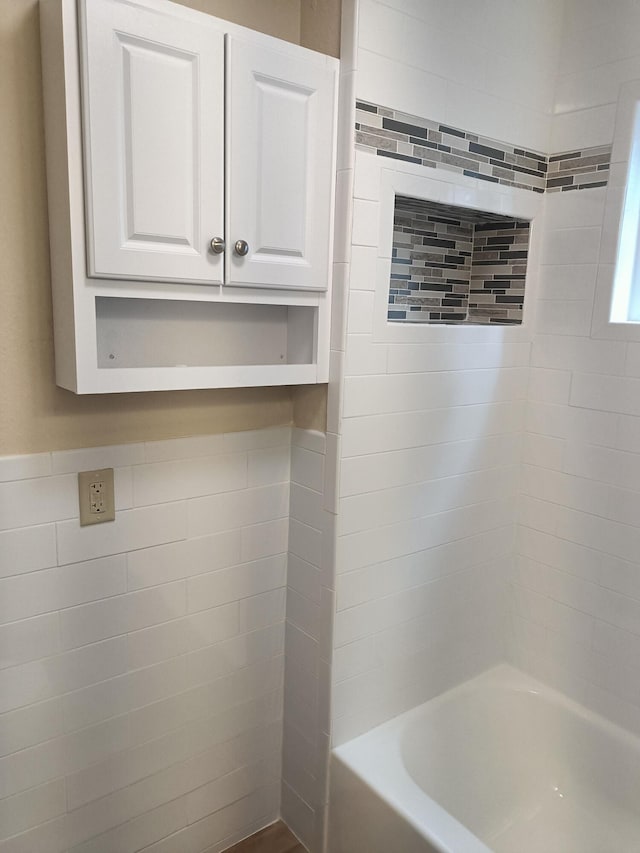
{"x":35,"y":414}
{"x":320,"y":25}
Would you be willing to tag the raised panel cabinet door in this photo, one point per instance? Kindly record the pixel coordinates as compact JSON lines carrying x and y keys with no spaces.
{"x":280,"y":155}
{"x":153,"y":90}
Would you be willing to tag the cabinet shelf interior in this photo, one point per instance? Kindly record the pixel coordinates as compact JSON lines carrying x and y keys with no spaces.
{"x":174,"y":333}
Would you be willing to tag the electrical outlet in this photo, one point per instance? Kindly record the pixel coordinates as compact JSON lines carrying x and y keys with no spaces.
{"x":96,"y":496}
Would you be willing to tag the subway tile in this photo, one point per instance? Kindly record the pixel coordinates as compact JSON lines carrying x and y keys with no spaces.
{"x":165,"y":563}
{"x":28,"y":595}
{"x":544,"y":451}
{"x":25,"y":467}
{"x":361,"y":474}
{"x":257,"y":439}
{"x":158,"y":643}
{"x":140,"y":832}
{"x":364,"y":357}
{"x":360,"y":313}
{"x":305,"y":542}
{"x":48,"y":837}
{"x":269,"y":466}
{"x":183,"y":448}
{"x":30,"y":725}
{"x":557,"y":487}
{"x":225,"y":585}
{"x":217,"y":513}
{"x":582,"y":425}
{"x":576,"y":353}
{"x":122,"y":614}
{"x":549,"y":386}
{"x":27,"y":549}
{"x":365,"y":223}
{"x":223,"y":658}
{"x":29,"y":639}
{"x":364,"y":263}
{"x":161,"y":482}
{"x":132,"y":529}
{"x":568,"y":281}
{"x":307,"y":468}
{"x":309,"y":439}
{"x":262,"y":610}
{"x":370,"y":510}
{"x":555,"y":317}
{"x":427,"y":358}
{"x":605,"y":393}
{"x":383,"y":80}
{"x":397,"y":431}
{"x":264,"y":540}
{"x":371,"y":395}
{"x":34,"y":807}
{"x":303,"y":577}
{"x":62,"y":756}
{"x":118,"y":456}
{"x":306,"y":505}
{"x":384,"y":543}
{"x":571,"y":246}
{"x":39,"y":501}
{"x":45,"y":679}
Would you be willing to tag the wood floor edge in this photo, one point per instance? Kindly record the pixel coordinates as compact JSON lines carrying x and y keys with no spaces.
{"x":275,"y":838}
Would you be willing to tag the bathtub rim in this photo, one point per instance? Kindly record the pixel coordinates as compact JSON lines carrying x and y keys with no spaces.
{"x":404,"y":795}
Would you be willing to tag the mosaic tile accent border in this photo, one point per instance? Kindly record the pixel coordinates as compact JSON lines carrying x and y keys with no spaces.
{"x":456,"y":265}
{"x":428,"y":143}
{"x":579,"y":170}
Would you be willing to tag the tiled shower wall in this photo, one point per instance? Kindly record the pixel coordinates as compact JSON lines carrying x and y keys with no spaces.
{"x":427,"y":433}
{"x":141,"y":661}
{"x":576,"y":591}
{"x":575,"y":594}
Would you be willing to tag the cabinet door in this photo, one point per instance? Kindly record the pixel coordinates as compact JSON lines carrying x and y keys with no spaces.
{"x":280,"y":151}
{"x":153,"y":88}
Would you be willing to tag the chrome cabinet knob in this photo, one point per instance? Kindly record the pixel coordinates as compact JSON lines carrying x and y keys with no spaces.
{"x":241,"y":248}
{"x":218,"y":245}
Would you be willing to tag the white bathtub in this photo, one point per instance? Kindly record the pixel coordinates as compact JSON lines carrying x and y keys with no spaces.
{"x":500,"y":763}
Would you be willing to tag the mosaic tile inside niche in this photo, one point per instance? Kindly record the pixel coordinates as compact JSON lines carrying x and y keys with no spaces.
{"x":498,"y":272}
{"x":456,"y":265}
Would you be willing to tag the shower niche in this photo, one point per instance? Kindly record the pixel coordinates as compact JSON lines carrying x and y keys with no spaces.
{"x":456,"y":265}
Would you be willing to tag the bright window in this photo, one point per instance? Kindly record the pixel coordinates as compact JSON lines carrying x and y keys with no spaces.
{"x":625,"y":304}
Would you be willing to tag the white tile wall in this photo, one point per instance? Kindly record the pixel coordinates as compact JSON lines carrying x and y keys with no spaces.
{"x":600,"y":51}
{"x":142,"y":661}
{"x":307,"y":645}
{"x":428,"y":428}
{"x":465,"y":64}
{"x":574,"y":615}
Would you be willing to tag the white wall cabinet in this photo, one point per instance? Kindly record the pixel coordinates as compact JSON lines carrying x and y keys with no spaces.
{"x":167,"y":128}
{"x":280,"y":165}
